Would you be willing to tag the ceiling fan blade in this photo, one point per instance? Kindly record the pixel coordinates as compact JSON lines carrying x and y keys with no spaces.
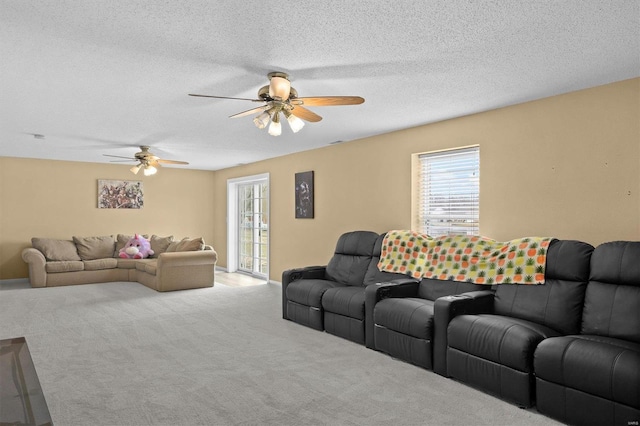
{"x":249,"y":112}
{"x":171,"y":162}
{"x":330,"y":100}
{"x":305,"y":114}
{"x":119,"y":156}
{"x":123,"y":161}
{"x":226,"y":97}
{"x":154,"y":163}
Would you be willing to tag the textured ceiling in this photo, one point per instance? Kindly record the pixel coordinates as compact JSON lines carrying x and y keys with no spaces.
{"x":103,"y":77}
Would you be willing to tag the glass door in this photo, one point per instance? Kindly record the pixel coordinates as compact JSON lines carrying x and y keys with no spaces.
{"x":253,"y":228}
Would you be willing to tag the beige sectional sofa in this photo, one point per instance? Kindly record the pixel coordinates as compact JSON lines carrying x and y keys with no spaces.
{"x":175,"y":265}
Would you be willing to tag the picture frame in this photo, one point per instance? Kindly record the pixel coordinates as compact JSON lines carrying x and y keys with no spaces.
{"x":304,"y":195}
{"x":120,"y":194}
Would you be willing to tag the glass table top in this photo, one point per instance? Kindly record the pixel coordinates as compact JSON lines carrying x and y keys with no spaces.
{"x":21,"y":399}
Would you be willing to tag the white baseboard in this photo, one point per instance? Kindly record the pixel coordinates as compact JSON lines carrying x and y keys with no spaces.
{"x":15,"y":281}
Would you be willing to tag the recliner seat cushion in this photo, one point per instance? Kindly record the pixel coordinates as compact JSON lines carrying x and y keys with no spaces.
{"x":309,"y":292}
{"x":600,"y":366}
{"x":503,"y":340}
{"x":410,"y":316}
{"x":347,"y":301}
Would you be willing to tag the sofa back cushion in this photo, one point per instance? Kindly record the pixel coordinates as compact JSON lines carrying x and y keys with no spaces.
{"x":90,"y":248}
{"x":160,"y":244}
{"x":352,"y":257}
{"x":373,"y":274}
{"x":186,"y":244}
{"x":558,"y":302}
{"x":612,"y":300}
{"x":56,"y":250}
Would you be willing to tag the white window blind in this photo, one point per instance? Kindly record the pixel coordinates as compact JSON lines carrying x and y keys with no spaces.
{"x":449,"y":192}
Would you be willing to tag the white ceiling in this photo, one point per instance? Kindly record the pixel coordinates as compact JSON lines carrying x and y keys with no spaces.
{"x":103,"y":77}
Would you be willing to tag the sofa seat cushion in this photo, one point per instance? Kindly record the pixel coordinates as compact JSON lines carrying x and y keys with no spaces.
{"x":347,"y":301}
{"x":504,"y":340}
{"x":309,"y":292}
{"x":142,"y":264}
{"x":599,"y":366}
{"x":150,"y":267}
{"x":127,"y":263}
{"x":410,"y":316}
{"x":64,"y":266}
{"x":98,"y":264}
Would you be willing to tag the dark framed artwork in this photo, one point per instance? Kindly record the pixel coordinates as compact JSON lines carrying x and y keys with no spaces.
{"x":120,"y":194}
{"x":304,"y":195}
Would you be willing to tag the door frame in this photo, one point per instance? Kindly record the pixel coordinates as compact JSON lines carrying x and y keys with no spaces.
{"x":232,"y":218}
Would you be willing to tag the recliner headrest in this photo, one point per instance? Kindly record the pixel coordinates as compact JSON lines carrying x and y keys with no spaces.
{"x":356,"y":243}
{"x":568,"y":260}
{"x":616,"y":262}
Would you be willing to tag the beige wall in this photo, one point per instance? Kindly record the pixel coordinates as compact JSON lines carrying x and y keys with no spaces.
{"x":58,"y":199}
{"x":566,"y":166}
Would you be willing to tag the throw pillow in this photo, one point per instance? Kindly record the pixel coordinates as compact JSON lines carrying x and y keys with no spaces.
{"x":160,"y":244}
{"x":56,"y":250}
{"x":90,"y":248}
{"x":187,"y":244}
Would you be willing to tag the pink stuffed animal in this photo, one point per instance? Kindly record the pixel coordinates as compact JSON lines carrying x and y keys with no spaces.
{"x":137,"y":247}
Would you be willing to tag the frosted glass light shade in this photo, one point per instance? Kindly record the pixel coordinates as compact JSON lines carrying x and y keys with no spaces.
{"x":279,"y":87}
{"x":150,"y":170}
{"x":135,"y":169}
{"x":275,"y":129}
{"x":295,"y":123}
{"x":262,"y":120}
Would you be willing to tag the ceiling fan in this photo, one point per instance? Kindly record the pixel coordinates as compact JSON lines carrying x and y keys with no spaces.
{"x":146,"y":161}
{"x":280,"y":97}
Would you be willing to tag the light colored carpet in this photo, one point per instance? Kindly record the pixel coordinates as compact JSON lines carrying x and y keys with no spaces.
{"x":122,"y":354}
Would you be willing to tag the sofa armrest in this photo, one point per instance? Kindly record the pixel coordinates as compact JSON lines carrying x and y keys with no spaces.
{"x":186,"y":258}
{"x":306,"y":273}
{"x":444,"y":310}
{"x":36,"y":261}
{"x":402,"y":287}
{"x":186,"y":269}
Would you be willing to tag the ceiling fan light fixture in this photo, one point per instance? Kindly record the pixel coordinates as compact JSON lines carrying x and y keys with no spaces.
{"x":262,"y":120}
{"x":294,"y":122}
{"x":150,"y":170}
{"x":275,"y":128}
{"x":279,"y":88}
{"x":135,"y":169}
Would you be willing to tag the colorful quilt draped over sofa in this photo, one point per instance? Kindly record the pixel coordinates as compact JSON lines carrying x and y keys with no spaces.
{"x":466,"y":258}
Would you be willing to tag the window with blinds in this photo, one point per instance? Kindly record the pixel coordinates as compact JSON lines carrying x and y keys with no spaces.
{"x":448,"y":192}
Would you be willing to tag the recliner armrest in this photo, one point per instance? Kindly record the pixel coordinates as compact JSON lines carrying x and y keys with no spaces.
{"x":448,"y":307}
{"x":401,"y":287}
{"x":306,"y":273}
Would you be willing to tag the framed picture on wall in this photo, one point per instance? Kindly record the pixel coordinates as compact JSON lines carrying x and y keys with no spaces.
{"x":304,"y":195}
{"x":120,"y":194}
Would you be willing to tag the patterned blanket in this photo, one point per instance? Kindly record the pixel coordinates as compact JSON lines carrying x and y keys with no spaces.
{"x":473,"y":259}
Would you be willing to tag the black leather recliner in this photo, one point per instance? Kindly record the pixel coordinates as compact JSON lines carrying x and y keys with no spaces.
{"x":404,"y":321}
{"x":332,"y":297}
{"x":594,"y":377}
{"x":493,"y":349}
